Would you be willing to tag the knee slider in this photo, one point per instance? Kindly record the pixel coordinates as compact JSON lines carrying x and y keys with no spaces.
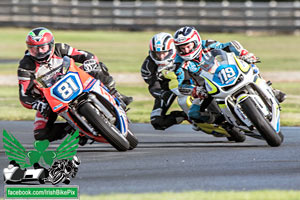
{"x":158,"y":123}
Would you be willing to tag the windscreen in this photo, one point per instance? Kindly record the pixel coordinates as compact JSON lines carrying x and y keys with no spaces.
{"x":212,"y":59}
{"x":54,"y":75}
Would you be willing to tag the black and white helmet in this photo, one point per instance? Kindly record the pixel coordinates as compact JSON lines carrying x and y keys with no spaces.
{"x":162,"y":42}
{"x":187,"y":35}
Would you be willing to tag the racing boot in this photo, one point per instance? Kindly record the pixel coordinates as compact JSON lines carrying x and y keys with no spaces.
{"x":280,"y":96}
{"x":179,"y":116}
{"x":125,"y":99}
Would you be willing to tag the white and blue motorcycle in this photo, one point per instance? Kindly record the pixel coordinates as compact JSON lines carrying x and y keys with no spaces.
{"x":244,"y":99}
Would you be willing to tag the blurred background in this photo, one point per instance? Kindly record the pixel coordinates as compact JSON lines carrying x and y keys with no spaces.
{"x":118,"y":32}
{"x":136,"y":15}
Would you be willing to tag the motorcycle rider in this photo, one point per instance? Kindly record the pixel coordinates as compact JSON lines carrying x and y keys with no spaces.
{"x":161,"y":56}
{"x":41,"y":56}
{"x":190,"y":59}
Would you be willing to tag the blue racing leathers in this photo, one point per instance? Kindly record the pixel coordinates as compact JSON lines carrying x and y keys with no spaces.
{"x":188,"y":75}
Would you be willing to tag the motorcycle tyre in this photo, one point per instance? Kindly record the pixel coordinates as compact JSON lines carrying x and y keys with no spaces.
{"x":132,"y":139}
{"x":99,"y":122}
{"x":261,"y":123}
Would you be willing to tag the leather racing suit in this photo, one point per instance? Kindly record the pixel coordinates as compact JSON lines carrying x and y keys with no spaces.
{"x":188,"y":75}
{"x":158,"y":87}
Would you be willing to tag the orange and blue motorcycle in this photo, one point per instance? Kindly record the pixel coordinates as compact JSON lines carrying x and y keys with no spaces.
{"x":86,"y":104}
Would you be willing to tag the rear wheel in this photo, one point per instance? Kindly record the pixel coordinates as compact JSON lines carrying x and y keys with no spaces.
{"x":104,"y":127}
{"x":261,"y":123}
{"x":132,"y":139}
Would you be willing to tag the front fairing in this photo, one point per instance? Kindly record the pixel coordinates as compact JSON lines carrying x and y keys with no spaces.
{"x":60,"y":91}
{"x":65,"y":90}
{"x":225,"y":74}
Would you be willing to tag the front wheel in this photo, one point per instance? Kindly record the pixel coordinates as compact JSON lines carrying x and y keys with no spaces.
{"x":104,"y":127}
{"x":261,"y":123}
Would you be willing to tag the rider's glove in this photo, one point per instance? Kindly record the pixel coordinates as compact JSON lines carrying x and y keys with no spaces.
{"x":199,"y":92}
{"x":90,"y":65}
{"x":250,"y":58}
{"x":159,"y":76}
{"x":42,"y":107}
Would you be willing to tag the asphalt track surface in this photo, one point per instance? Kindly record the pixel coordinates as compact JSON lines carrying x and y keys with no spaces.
{"x":179,"y":159}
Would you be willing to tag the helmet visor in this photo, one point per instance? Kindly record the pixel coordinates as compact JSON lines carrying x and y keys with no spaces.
{"x":187,"y":48}
{"x":39,"y":51}
{"x":162,"y":55}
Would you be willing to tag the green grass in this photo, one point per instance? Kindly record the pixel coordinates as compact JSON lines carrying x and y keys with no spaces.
{"x":125,"y":51}
{"x":8,"y":69}
{"x":199,"y":195}
{"x":10,"y":106}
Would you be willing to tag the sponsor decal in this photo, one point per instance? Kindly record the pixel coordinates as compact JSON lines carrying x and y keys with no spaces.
{"x":58,"y":106}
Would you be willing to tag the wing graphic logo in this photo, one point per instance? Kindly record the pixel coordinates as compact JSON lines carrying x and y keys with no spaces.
{"x":40,"y":157}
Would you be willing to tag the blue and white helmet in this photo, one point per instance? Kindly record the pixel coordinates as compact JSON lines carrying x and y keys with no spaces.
{"x":187,"y":35}
{"x":162,"y":42}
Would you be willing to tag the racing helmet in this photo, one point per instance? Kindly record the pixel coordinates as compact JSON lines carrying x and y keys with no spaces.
{"x":40,"y":44}
{"x":162,"y":49}
{"x":186,"y":35}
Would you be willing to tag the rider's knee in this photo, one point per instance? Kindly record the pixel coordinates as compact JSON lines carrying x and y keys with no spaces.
{"x":194,"y":112}
{"x":55,"y":132}
{"x":197,"y":116}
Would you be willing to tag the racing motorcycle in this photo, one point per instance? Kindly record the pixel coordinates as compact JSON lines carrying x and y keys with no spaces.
{"x":86,"y":104}
{"x":245,"y":100}
{"x":185,"y":103}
